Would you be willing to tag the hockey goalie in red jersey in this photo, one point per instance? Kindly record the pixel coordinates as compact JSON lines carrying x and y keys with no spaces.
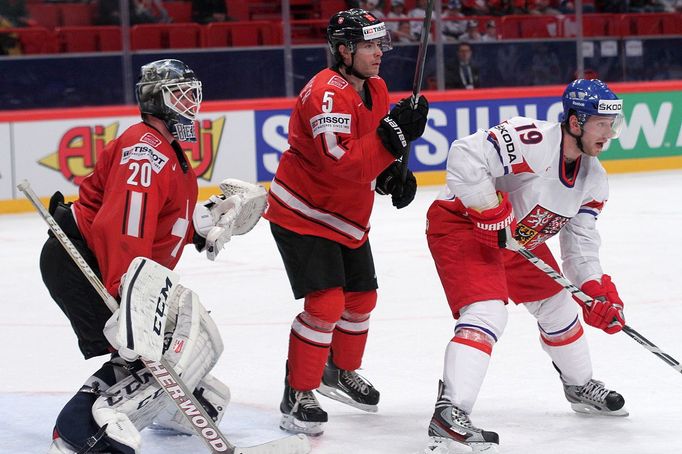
{"x":140,"y":201}
{"x":531,"y":179}
{"x":343,"y":147}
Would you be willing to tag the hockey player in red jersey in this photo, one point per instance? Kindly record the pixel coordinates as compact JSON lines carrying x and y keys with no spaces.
{"x":139,"y":201}
{"x":531,"y":179}
{"x":342,"y":147}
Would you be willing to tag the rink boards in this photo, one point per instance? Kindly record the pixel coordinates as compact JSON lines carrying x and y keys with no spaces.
{"x":56,"y":149}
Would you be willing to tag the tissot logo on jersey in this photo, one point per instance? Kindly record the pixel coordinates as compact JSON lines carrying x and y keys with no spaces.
{"x":140,"y":152}
{"x":330,"y":122}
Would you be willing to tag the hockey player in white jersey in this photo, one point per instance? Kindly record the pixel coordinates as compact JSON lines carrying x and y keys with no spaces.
{"x":531,"y":179}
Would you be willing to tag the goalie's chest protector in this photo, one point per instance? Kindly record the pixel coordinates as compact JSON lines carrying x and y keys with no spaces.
{"x":324,"y":185}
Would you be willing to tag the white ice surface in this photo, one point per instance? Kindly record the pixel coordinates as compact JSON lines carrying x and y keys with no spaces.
{"x":249,"y":296}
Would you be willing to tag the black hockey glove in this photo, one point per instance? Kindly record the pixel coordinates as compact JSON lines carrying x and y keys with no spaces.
{"x":390,"y":182}
{"x":392,"y":136}
{"x":411,"y":120}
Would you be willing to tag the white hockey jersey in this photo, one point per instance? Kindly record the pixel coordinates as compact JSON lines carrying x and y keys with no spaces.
{"x":524,"y":157}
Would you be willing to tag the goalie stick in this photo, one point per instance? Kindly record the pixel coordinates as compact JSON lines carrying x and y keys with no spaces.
{"x":568,"y":285}
{"x":419,"y":74}
{"x":163,"y":373}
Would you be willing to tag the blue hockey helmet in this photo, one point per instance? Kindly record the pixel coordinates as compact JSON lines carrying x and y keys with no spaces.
{"x":586,"y":98}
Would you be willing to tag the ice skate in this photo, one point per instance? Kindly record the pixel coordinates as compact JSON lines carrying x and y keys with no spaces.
{"x":301,"y":412}
{"x":594,"y":398}
{"x":348,"y":387}
{"x":451,"y":425}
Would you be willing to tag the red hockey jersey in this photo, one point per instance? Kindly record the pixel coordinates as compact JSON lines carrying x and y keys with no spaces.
{"x":138,"y":202}
{"x":324,"y":185}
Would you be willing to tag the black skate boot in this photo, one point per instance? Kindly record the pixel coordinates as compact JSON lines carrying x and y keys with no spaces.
{"x":594,"y":398}
{"x":301,"y":412}
{"x":452,"y":424}
{"x":348,"y":387}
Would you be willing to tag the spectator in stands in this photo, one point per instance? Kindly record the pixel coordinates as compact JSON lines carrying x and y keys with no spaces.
{"x":207,"y":11}
{"x":568,"y":6}
{"x":373,"y":7}
{"x":542,"y":7}
{"x":404,"y":34}
{"x":397,"y":12}
{"x":475,"y":7}
{"x":472,"y":34}
{"x":462,"y":73}
{"x":611,"y":6}
{"x":490,"y":32}
{"x":13,"y":13}
{"x":645,"y":6}
{"x":140,"y":11}
{"x":418,"y":13}
{"x":545,"y":67}
{"x":454,"y":22}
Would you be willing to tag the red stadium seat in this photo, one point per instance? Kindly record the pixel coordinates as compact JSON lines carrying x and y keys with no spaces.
{"x":34,"y":40}
{"x":253,"y":33}
{"x":45,"y":14}
{"x":179,"y":11}
{"x":653,"y":24}
{"x":146,"y":36}
{"x":76,"y":13}
{"x":165,"y":36}
{"x":237,"y":9}
{"x":183,"y":36}
{"x":109,"y":38}
{"x":89,"y":39}
{"x":76,"y":39}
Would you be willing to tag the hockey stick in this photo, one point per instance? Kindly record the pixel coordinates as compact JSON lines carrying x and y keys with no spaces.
{"x":419,"y":74}
{"x":165,"y":375}
{"x":568,"y":285}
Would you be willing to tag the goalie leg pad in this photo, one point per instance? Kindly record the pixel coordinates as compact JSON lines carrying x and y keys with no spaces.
{"x":137,"y":327}
{"x":213,"y":395}
{"x":193,"y":346}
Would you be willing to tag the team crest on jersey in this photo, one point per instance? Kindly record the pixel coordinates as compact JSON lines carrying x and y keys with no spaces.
{"x":143,"y":152}
{"x":330,"y":122}
{"x":338,"y":82}
{"x":150,"y":139}
{"x":538,"y":226}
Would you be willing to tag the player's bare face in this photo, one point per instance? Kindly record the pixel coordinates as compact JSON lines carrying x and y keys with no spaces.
{"x":596,"y":133}
{"x":368,"y":57}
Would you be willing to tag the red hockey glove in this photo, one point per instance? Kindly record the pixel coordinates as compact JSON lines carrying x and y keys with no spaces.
{"x":494,"y":226}
{"x":606,"y":312}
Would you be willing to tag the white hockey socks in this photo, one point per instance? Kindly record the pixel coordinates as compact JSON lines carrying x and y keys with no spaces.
{"x":468,"y":354}
{"x":562,"y":337}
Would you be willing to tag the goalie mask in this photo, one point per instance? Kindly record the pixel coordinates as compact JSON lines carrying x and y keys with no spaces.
{"x":587,"y":98}
{"x":353,"y":26}
{"x":169,"y":90}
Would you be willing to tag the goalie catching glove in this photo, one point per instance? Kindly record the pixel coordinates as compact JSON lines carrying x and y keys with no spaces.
{"x":234,"y":212}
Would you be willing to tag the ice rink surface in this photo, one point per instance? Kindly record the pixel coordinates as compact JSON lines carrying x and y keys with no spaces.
{"x":247,"y":291}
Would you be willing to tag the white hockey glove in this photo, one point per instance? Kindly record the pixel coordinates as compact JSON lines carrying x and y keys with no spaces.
{"x":234,"y":212}
{"x":214,"y":221}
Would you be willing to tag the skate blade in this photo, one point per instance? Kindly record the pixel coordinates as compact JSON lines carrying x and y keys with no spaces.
{"x":443,"y":445}
{"x":290,"y":424}
{"x":339,"y":396}
{"x":590,"y":410}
